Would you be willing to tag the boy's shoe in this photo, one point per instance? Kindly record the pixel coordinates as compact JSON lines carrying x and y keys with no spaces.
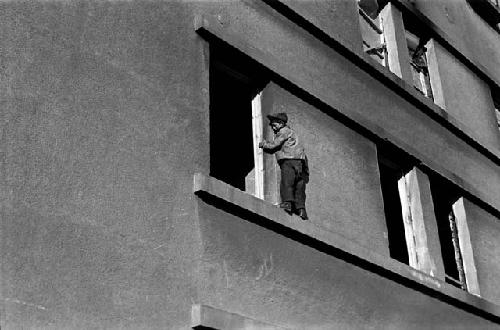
{"x":302,"y":214}
{"x":287,"y":207}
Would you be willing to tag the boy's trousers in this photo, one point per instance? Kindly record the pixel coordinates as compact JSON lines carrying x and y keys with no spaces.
{"x":293,"y":184}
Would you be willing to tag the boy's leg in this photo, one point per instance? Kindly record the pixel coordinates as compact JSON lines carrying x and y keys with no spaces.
{"x":300,"y":194}
{"x":287,"y":181}
{"x":300,"y":186}
{"x":300,"y":191}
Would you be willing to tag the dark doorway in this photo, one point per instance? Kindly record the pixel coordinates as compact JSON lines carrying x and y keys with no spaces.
{"x":234,"y":81}
{"x":393,"y":165}
{"x":444,"y":195}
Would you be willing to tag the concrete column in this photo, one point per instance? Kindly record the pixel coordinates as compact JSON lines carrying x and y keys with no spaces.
{"x":271,"y":169}
{"x":460,"y":210}
{"x":434,"y":75}
{"x":427,"y":248}
{"x":395,"y":39}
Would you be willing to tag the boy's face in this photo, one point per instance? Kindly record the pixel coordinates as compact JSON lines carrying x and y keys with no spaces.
{"x":276,"y":125}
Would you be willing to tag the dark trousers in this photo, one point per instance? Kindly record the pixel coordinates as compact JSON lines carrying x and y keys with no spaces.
{"x":293,"y":184}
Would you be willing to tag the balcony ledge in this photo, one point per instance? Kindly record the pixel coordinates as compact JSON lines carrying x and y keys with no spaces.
{"x":222,"y":195}
{"x":208,"y":317}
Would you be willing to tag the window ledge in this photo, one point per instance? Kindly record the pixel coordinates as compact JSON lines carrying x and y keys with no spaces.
{"x":207,"y":317}
{"x":216,"y":192}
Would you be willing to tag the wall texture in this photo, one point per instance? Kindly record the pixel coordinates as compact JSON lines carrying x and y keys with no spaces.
{"x":467,"y":32}
{"x":484,"y":229}
{"x":338,"y":19}
{"x":466,"y":97}
{"x":344,"y":194}
{"x":103,"y":121}
{"x":255,"y":272}
{"x":101,"y":128}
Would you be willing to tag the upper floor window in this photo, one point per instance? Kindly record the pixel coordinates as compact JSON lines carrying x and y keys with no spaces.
{"x":489,"y":10}
{"x":444,"y":197}
{"x":416,"y":41}
{"x":497,"y":112}
{"x":418,"y":63}
{"x":370,"y":22}
{"x":496,"y":102}
{"x":397,"y":41}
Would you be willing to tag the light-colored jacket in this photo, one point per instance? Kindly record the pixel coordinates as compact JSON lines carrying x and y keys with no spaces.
{"x":286,"y":145}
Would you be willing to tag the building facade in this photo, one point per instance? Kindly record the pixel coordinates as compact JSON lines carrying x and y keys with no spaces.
{"x":134,"y":195}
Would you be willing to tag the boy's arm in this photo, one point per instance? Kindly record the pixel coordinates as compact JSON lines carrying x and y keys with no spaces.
{"x":280,"y":138}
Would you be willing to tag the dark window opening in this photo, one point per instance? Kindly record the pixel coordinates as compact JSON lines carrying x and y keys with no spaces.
{"x":235,"y":79}
{"x":444,"y":195}
{"x":416,"y":41}
{"x":372,"y":7}
{"x":371,"y":29}
{"x":496,"y":104}
{"x":393,"y":165}
{"x":488,"y":10}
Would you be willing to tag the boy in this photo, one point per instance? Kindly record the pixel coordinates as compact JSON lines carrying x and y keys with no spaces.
{"x":292,"y":160}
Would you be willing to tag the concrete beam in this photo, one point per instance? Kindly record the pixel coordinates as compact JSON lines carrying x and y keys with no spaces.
{"x":427,"y":245}
{"x":395,"y":39}
{"x":206,"y":317}
{"x":271,"y":169}
{"x":212,"y":190}
{"x":459,"y":208}
{"x":435,"y":77}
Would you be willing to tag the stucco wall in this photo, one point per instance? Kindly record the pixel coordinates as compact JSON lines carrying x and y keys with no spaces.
{"x":258,"y":273}
{"x":484,"y":231}
{"x":343,"y":194}
{"x":465,"y":96}
{"x":101,"y":130}
{"x":337,"y":18}
{"x":104,"y":119}
{"x":467,"y":32}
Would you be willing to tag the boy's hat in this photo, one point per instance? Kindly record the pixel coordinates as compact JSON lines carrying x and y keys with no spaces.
{"x":278,"y":117}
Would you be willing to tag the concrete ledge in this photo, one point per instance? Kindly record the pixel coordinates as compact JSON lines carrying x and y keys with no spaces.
{"x":206,"y":317}
{"x":226,"y":197}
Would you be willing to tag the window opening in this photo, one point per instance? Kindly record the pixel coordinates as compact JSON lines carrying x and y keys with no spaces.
{"x":488,"y":10}
{"x":496,"y":103}
{"x":444,"y":196}
{"x":372,"y":30}
{"x":497,"y":112}
{"x":235,"y":84}
{"x":416,"y":42}
{"x":393,"y":166}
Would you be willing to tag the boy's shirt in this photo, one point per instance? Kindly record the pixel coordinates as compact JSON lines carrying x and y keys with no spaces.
{"x":286,"y":145}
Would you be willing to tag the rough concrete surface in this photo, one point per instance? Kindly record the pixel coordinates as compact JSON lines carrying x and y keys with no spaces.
{"x":343,"y":194}
{"x":252,"y":271}
{"x":466,"y":96}
{"x":484,"y":229}
{"x":466,"y":31}
{"x":100,"y":115}
{"x":104,"y":110}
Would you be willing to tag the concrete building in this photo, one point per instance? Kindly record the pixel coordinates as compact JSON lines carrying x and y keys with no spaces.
{"x":133,"y":195}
